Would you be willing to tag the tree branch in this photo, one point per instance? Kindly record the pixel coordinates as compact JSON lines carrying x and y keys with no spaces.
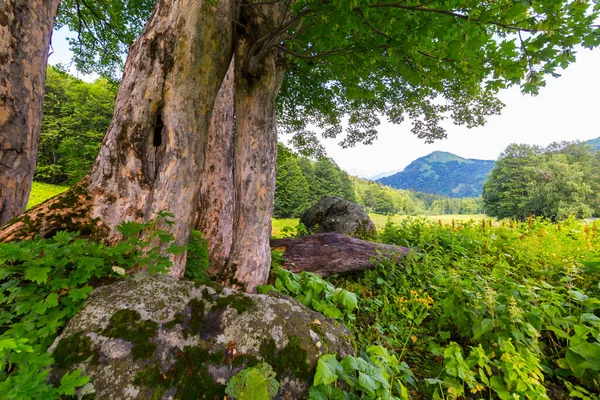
{"x":375,"y":29}
{"x":455,"y":14}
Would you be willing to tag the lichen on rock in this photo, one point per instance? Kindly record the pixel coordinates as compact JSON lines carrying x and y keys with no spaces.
{"x":157,"y":337}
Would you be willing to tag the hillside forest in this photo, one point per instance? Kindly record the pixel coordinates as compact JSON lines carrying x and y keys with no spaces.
{"x":144,"y":267}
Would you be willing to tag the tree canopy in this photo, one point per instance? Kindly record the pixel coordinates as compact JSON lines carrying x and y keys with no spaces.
{"x":105,"y":30}
{"x":368,"y":59}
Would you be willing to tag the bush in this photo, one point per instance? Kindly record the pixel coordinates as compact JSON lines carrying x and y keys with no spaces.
{"x":484,"y":310}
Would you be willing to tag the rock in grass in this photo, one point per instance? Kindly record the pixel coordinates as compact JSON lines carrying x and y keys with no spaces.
{"x":157,"y":337}
{"x":334,"y":214}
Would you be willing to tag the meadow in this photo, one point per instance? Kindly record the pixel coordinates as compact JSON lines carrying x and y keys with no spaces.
{"x":280,"y":224}
{"x":479,"y":310}
{"x":41,"y":192}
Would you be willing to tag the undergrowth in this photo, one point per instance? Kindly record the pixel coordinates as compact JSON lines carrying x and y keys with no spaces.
{"x":44,"y":282}
{"x":478,"y":311}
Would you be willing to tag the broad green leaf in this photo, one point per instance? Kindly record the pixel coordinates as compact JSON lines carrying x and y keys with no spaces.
{"x":483,"y":327}
{"x":498,"y":386}
{"x":346,"y":298}
{"x":71,"y":381}
{"x":328,"y":370}
{"x":37,"y":274}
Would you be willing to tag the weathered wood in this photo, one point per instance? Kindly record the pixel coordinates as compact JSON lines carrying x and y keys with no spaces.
{"x":256,"y":89}
{"x":25,"y":31}
{"x":216,"y":203}
{"x":330,"y":253}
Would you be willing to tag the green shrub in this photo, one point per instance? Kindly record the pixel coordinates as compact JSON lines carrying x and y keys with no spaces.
{"x":44,"y":282}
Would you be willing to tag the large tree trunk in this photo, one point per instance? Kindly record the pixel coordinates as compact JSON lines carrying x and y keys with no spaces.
{"x":332,"y":253}
{"x":153,"y":152}
{"x":217,"y":192}
{"x":256,"y":89}
{"x":25,"y":32}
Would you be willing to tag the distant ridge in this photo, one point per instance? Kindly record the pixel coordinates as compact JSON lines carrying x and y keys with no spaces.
{"x":595,"y":143}
{"x":383,"y":175}
{"x":442,"y":173}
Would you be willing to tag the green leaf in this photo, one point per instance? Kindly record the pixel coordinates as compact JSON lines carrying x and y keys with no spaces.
{"x":498,"y":386}
{"x":333,"y":312}
{"x":368,"y":384}
{"x":264,"y":289}
{"x":323,"y":392}
{"x":52,"y":299}
{"x":71,"y":381}
{"x":255,"y":383}
{"x":328,"y":370}
{"x":346,"y":298}
{"x":481,"y":328}
{"x":37,"y":274}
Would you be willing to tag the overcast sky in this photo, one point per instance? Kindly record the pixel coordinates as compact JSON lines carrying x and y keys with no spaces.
{"x":568,"y":108}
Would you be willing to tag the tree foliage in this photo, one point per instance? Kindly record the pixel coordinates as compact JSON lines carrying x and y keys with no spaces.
{"x":381,"y":199}
{"x":552,"y":182}
{"x":301,"y":182}
{"x":362,"y":60}
{"x":104,"y":31}
{"x":76,"y":116}
{"x":292,"y":193}
{"x":367,"y":59}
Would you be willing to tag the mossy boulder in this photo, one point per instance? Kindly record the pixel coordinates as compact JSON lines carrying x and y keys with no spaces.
{"x":161,"y":338}
{"x":334,"y":214}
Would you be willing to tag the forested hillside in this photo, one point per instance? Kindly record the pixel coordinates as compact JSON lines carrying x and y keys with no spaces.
{"x":302,"y":181}
{"x":444,"y":174}
{"x":76,"y":116}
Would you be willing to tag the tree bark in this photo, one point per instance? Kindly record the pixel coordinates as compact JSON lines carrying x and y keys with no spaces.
{"x":256,"y":89}
{"x":153,"y":152}
{"x":330,"y":253}
{"x":217,"y":192}
{"x":25,"y":32}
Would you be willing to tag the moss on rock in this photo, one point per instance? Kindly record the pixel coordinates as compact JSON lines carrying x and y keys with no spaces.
{"x":128,"y":325}
{"x":72,"y":350}
{"x":157,"y":337}
{"x":189,"y":375}
{"x":292,"y":359}
{"x":240,"y":302}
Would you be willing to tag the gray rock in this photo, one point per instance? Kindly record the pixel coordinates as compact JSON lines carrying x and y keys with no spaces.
{"x":158,"y":337}
{"x":334,"y":214}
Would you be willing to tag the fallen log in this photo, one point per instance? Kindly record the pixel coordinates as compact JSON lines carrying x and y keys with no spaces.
{"x":330,"y":253}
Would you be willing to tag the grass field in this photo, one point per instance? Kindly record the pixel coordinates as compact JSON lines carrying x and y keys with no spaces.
{"x":380,"y":220}
{"x":43,"y":191}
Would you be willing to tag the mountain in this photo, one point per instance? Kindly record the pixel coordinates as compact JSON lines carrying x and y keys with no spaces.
{"x":442,"y":173}
{"x":595,"y":143}
{"x":383,"y":175}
